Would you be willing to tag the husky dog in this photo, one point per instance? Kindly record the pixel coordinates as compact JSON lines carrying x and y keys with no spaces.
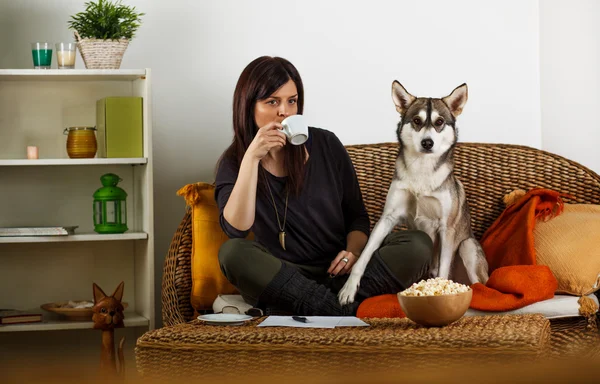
{"x":424,"y":194}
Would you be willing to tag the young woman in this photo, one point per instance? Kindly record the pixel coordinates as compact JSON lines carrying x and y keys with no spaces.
{"x":303,"y":205}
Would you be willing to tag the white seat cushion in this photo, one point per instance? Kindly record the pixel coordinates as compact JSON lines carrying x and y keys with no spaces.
{"x":554,"y":308}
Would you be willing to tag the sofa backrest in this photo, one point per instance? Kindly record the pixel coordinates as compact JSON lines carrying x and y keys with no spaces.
{"x":487,"y":171}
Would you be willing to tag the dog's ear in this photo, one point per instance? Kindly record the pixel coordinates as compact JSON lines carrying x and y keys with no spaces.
{"x":457,"y":99}
{"x":401,"y":97}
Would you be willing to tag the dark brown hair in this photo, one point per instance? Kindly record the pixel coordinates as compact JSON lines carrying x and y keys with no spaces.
{"x":259,"y":80}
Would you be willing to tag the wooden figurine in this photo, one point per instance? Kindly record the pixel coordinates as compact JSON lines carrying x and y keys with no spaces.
{"x":108,"y":315}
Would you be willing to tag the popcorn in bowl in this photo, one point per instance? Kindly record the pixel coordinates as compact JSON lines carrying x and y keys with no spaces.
{"x":435,"y":287}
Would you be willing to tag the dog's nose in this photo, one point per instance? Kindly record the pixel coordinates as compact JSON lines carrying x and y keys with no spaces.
{"x":427,"y":144}
{"x":112,"y":313}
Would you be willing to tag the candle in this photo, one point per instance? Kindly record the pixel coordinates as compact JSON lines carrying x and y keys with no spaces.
{"x":32,"y":152}
{"x":65,"y":53}
{"x":66,"y":59}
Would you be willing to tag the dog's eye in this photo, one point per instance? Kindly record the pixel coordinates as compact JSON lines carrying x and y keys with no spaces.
{"x":417,"y":121}
{"x":439,"y":122}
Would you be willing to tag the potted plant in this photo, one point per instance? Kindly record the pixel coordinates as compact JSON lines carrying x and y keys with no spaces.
{"x":103,"y":32}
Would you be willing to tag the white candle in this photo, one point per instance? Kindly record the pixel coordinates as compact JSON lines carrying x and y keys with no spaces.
{"x":32,"y":152}
{"x":66,"y":58}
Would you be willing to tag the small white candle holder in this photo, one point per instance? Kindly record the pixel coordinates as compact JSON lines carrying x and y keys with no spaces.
{"x":32,"y":152}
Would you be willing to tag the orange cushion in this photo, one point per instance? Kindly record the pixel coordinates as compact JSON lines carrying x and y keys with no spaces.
{"x":380,"y":306}
{"x":207,"y":237}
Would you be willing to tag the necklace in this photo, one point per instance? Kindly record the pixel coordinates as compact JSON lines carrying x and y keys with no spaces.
{"x":281,"y":227}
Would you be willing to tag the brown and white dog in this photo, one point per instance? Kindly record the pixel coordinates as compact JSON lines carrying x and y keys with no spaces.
{"x":424,"y":194}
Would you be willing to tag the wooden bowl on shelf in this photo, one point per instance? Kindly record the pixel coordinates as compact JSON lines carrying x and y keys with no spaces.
{"x":436,"y":311}
{"x":67,"y":312}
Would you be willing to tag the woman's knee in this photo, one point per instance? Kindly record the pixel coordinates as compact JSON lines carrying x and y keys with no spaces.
{"x":413,"y":245}
{"x":229,"y":250}
{"x":422,"y":246}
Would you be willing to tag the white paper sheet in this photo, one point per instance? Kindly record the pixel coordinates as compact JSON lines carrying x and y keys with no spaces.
{"x":314,"y":322}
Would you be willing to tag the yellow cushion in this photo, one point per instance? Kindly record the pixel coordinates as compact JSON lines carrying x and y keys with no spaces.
{"x":207,"y":237}
{"x":569,"y":244}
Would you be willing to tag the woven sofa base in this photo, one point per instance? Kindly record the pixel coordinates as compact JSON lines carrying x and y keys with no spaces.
{"x":575,"y":336}
{"x":195,"y":349}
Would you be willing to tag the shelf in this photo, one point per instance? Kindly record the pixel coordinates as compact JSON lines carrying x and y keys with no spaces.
{"x":36,"y":105}
{"x":101,"y":161}
{"x":71,"y":74}
{"x":52,"y":323}
{"x":77,"y":237}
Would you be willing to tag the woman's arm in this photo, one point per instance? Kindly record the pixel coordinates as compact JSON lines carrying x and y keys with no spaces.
{"x":356,"y":219}
{"x":355,"y":242}
{"x":240,"y":209}
{"x":241,"y":206}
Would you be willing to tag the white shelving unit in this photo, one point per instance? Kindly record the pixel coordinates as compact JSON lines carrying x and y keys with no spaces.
{"x":20,"y":162}
{"x":79,"y":237}
{"x":52,"y":323}
{"x":35,"y":107}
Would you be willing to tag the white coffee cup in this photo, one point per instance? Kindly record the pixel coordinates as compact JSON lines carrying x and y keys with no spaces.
{"x":296,"y":129}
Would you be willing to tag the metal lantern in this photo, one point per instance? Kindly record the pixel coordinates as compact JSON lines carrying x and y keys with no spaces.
{"x":110,"y":206}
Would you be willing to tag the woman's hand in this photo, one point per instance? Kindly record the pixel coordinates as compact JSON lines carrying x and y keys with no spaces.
{"x":342,"y":264}
{"x":268,"y":137}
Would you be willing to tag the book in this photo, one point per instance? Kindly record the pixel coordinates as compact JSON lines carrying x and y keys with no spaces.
{"x":119,"y":124}
{"x":13,"y":316}
{"x":36,"y":231}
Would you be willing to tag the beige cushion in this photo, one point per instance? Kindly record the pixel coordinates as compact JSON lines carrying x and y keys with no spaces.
{"x":569,"y":244}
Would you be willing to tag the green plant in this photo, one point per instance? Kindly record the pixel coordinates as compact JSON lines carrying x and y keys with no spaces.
{"x":106,"y":20}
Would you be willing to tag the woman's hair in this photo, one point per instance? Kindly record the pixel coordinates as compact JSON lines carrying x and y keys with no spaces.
{"x":259,"y":80}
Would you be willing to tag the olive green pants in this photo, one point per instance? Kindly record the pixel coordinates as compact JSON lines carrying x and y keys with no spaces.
{"x":250,"y":267}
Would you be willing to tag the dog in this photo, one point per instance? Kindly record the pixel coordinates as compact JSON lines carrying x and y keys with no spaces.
{"x":424,"y":193}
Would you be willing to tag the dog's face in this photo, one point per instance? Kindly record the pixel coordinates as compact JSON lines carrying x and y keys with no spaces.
{"x":428,"y":125}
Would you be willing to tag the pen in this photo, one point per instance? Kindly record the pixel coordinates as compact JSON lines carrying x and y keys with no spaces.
{"x":301,"y":319}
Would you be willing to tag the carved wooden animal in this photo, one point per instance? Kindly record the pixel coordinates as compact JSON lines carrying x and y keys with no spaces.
{"x":108,"y":315}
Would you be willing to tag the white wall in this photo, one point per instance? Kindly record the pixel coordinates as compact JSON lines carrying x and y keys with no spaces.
{"x":348,"y":54}
{"x":570,"y":79}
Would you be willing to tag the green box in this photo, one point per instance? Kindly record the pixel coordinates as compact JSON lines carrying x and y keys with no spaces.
{"x":119,"y":122}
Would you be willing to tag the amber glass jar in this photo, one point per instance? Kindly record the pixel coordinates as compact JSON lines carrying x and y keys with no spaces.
{"x":81,"y":142}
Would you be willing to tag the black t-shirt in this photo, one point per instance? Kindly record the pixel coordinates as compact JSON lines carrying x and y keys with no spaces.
{"x":329,"y":206}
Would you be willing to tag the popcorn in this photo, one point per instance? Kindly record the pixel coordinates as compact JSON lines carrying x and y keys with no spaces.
{"x":435,"y":287}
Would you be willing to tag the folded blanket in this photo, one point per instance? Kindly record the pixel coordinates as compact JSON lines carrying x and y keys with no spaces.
{"x":508,"y":288}
{"x":515,"y":279}
{"x":514,"y":287}
{"x":509,"y":240}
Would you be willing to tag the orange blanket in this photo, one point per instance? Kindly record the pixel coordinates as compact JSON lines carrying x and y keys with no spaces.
{"x":515,"y":279}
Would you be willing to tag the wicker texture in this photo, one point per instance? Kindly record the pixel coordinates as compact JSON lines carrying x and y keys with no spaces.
{"x":177,"y":276}
{"x":488,"y":172}
{"x":101,"y":54}
{"x":575,"y":336}
{"x":195,"y":348}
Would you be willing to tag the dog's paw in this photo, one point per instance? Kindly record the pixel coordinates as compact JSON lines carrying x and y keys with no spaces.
{"x":348,"y":292}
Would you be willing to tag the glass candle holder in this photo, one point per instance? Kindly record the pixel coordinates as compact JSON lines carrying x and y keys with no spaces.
{"x":65,"y":55}
{"x":42,"y":55}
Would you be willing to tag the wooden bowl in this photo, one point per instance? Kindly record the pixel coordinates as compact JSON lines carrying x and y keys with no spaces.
{"x":436,"y":311}
{"x":72,"y":314}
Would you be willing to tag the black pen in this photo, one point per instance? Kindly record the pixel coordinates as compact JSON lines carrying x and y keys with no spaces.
{"x":301,"y":319}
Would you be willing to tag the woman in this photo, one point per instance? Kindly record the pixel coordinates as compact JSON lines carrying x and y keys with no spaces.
{"x":303,"y":204}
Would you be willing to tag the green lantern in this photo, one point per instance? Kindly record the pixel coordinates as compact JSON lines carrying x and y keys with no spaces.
{"x":110,"y":206}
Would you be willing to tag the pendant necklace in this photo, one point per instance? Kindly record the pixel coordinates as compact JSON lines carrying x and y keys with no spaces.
{"x":281,"y":227}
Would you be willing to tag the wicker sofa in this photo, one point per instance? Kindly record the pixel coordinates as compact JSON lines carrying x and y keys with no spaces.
{"x":488,"y":172}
